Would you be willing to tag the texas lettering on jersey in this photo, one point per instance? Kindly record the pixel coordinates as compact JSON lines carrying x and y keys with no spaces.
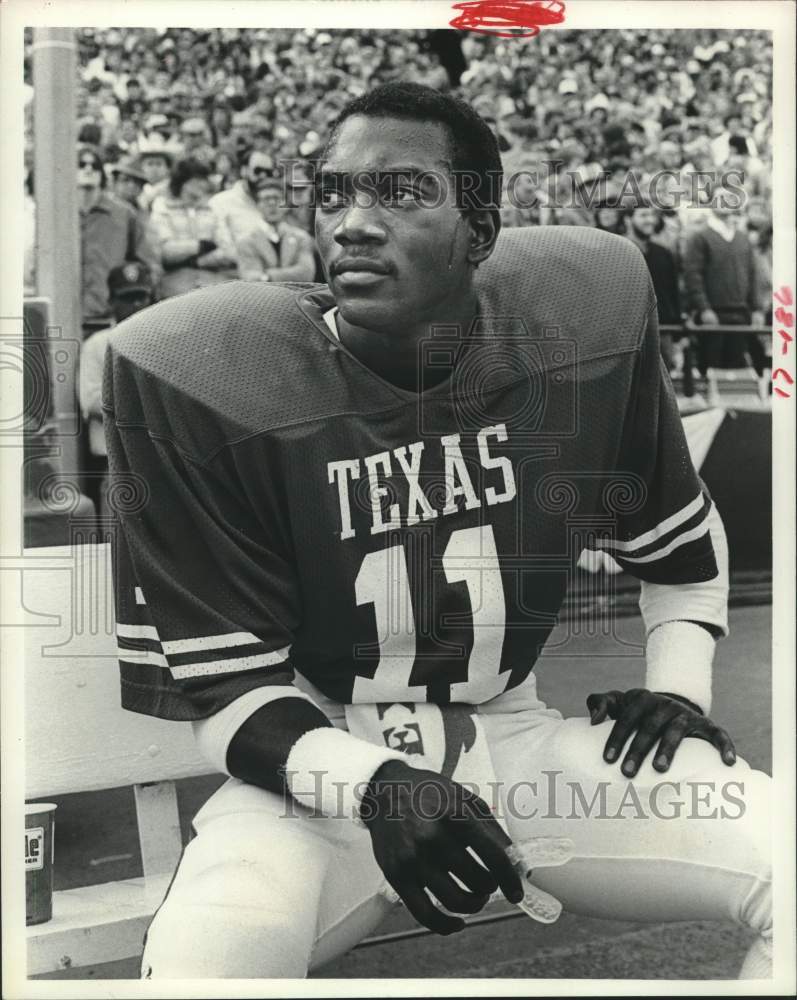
{"x":306,"y":519}
{"x":460,"y":491}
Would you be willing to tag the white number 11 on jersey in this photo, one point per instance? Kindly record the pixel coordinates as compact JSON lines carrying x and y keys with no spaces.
{"x":470,"y":558}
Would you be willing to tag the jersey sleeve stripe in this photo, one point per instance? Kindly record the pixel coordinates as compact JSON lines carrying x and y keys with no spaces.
{"x":231,"y":665}
{"x":612,"y":546}
{"x":142,"y":657}
{"x":676,"y":543}
{"x":210,"y":642}
{"x":137,"y":632}
{"x":138,"y":645}
{"x":206,"y":656}
{"x":662,"y":528}
{"x":691,"y":563}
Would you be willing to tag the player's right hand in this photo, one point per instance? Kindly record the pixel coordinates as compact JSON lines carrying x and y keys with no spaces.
{"x":421,"y":825}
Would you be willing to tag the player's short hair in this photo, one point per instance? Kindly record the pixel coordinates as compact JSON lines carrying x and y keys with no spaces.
{"x":473,"y":146}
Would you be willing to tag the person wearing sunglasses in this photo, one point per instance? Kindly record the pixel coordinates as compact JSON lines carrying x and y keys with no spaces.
{"x":111,"y":232}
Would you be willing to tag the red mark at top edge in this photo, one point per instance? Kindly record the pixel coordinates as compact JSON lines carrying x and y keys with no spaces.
{"x":508,"y":18}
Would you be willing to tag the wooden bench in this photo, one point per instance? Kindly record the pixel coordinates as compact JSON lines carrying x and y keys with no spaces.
{"x":79,"y":739}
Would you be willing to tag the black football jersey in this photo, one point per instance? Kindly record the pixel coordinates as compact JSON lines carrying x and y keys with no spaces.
{"x":284,"y":509}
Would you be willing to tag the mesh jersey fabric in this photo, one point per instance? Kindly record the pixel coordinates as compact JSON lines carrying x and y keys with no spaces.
{"x":292,"y":511}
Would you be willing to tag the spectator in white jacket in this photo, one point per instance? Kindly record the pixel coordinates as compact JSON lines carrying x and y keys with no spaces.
{"x":195,"y":245}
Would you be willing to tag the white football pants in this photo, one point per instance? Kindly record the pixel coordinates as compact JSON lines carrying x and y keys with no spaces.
{"x":259,"y":894}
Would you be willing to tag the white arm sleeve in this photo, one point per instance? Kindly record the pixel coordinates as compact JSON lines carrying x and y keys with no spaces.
{"x":679,"y":653}
{"x":214,"y":734}
{"x":700,"y":602}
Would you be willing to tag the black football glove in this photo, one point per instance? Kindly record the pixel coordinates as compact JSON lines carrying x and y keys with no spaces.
{"x":653,"y":715}
{"x":421,"y":827}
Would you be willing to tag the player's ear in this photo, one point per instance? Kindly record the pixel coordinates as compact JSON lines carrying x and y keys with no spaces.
{"x":484,"y":225}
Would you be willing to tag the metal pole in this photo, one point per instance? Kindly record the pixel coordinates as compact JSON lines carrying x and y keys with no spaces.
{"x":57,"y":230}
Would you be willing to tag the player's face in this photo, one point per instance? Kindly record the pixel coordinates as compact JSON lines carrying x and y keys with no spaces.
{"x":394,"y":246}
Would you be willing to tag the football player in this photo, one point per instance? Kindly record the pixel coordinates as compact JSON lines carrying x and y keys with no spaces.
{"x":365,"y":501}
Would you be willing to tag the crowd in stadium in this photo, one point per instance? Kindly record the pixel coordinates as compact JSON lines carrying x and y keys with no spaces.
{"x":184,"y":135}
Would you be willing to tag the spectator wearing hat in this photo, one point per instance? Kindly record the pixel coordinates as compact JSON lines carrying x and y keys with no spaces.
{"x":156,"y":125}
{"x":155,"y":161}
{"x":130,"y":289}
{"x":195,"y":244}
{"x":111,"y":233}
{"x":128,"y":182}
{"x":597,"y":107}
{"x":275,"y":250}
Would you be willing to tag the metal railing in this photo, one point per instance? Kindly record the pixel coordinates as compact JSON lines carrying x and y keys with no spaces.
{"x":686,"y":329}
{"x":689,"y":331}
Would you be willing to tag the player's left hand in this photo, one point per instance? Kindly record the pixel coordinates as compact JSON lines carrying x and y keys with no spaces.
{"x":653,"y":716}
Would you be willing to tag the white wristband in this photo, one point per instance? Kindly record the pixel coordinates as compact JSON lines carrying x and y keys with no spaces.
{"x":680,"y":656}
{"x":328,"y":770}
